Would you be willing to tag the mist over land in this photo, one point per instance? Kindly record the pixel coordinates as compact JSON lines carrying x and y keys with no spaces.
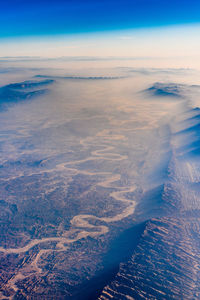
{"x":99,"y":178}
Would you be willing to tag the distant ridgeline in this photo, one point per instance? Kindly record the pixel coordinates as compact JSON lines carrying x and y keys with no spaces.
{"x":82,"y":77}
{"x":159,"y":89}
{"x":26,"y":90}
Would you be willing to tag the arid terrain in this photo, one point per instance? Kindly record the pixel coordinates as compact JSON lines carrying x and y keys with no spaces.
{"x":99,"y":183}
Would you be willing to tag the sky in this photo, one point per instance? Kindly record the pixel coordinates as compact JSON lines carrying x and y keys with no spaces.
{"x":99,"y":27}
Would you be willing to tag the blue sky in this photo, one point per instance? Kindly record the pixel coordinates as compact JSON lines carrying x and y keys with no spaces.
{"x":54,"y":28}
{"x":52,"y":17}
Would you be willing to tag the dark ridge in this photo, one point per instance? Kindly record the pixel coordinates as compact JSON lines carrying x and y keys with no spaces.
{"x":16,"y":92}
{"x":194,"y":118}
{"x":81,"y":77}
{"x":189,"y":147}
{"x":164,"y":264}
{"x":192,"y":153}
{"x":152,"y":203}
{"x":165,"y":90}
{"x":123,"y":247}
{"x":195,"y":111}
{"x":29,"y":84}
{"x":189,"y":122}
{"x":161,"y":172}
{"x":193,"y":129}
{"x":8,"y":96}
{"x":150,"y":71}
{"x":120,"y":251}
